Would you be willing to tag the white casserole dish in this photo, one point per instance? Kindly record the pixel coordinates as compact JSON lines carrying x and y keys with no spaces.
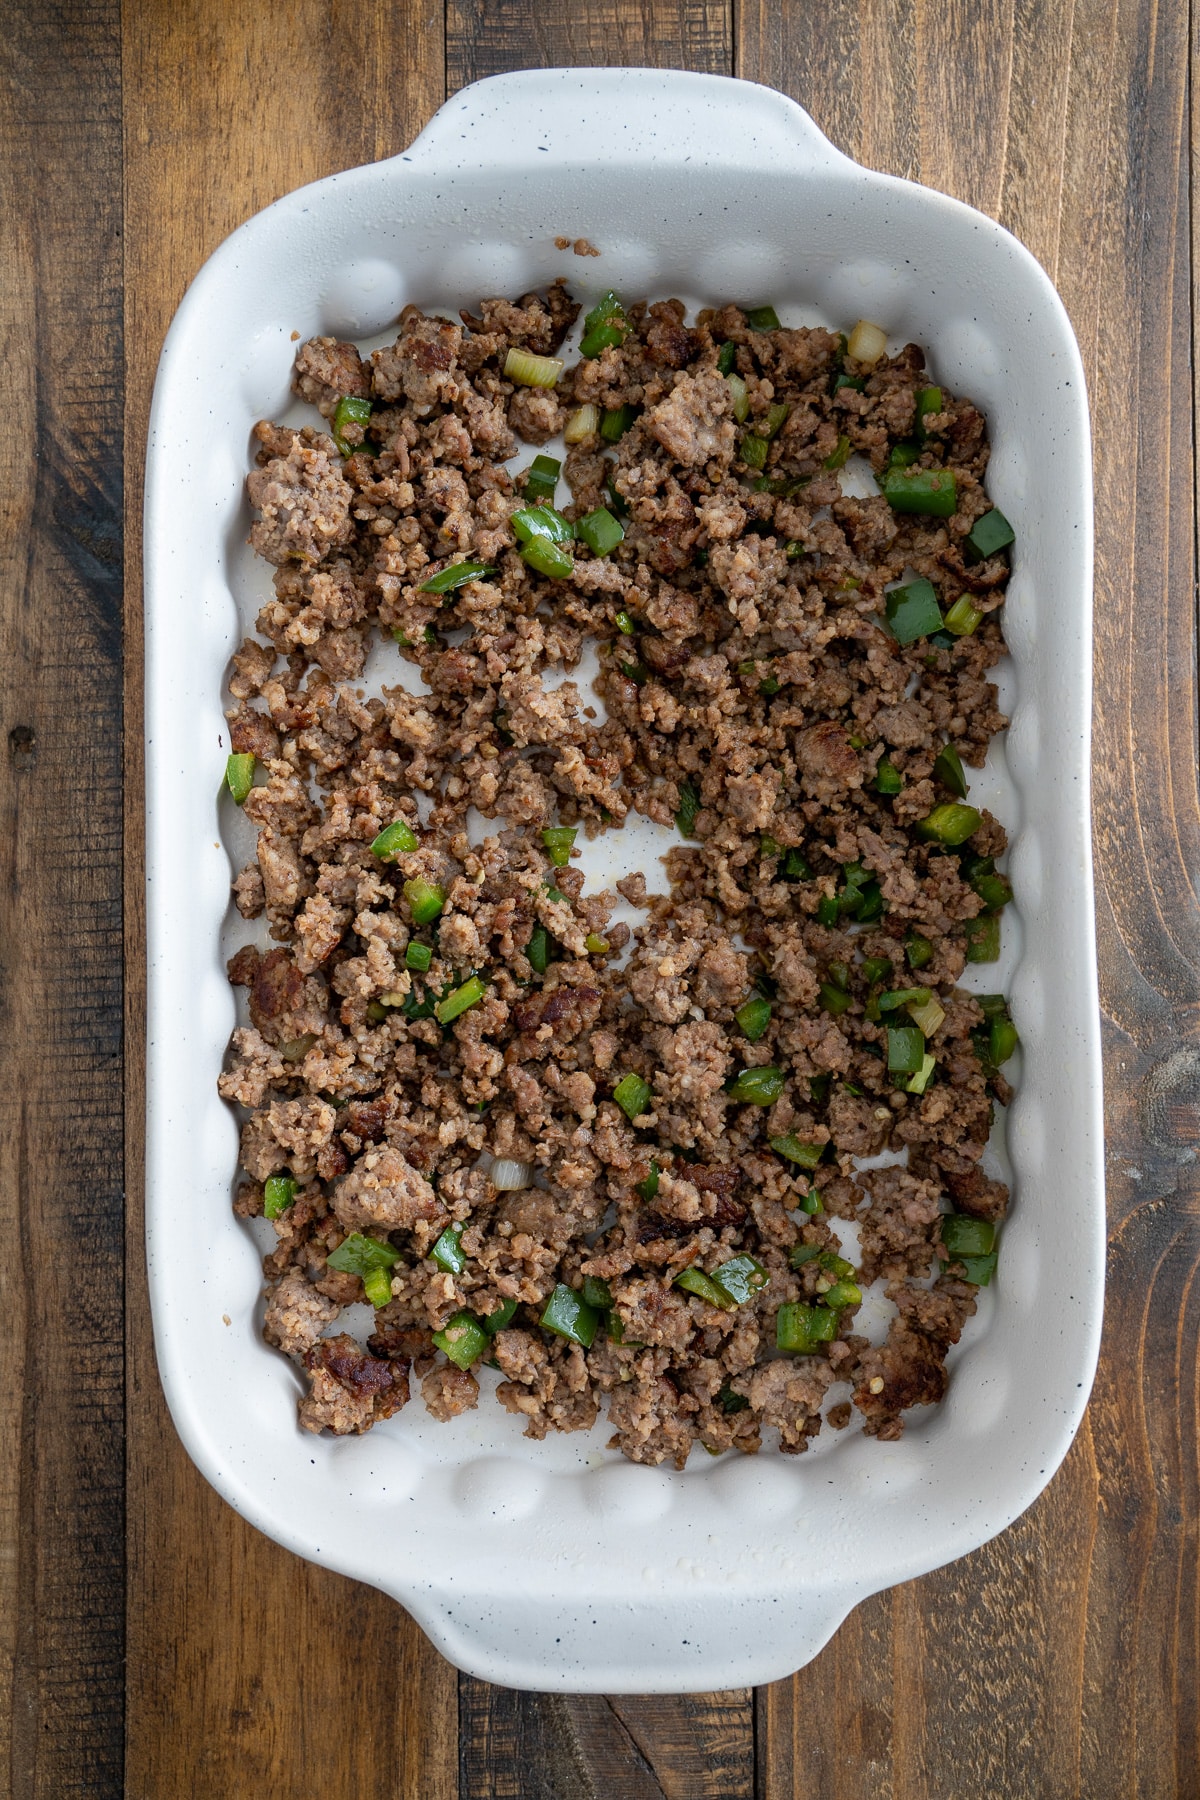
{"x":560,"y":1566}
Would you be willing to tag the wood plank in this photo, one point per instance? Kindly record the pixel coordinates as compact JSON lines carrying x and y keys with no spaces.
{"x":486,"y":37}
{"x":1081,"y":1621}
{"x":536,"y":1746}
{"x":61,"y":1281}
{"x":249,"y":1671}
{"x":518,"y":1746}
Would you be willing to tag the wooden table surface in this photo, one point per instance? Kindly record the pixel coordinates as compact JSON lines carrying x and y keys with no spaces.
{"x":150,"y":1642}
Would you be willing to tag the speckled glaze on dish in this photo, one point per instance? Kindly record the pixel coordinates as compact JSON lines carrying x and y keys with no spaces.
{"x":559,"y":1565}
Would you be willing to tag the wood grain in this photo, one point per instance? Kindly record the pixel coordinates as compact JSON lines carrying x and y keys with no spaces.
{"x":249,"y":1671}
{"x":1068,"y":123}
{"x":61,"y":1179}
{"x":486,"y":37}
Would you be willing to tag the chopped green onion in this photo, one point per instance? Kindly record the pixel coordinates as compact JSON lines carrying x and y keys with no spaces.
{"x":695,"y":1281}
{"x":600,"y":531}
{"x":648,"y":1188}
{"x":541,"y":482}
{"x":558,"y":840}
{"x":635,"y":672}
{"x":531,"y":522}
{"x":990,"y":533}
{"x":875,"y":968}
{"x":753,"y":450}
{"x":931,"y":492}
{"x":918,"y":1082}
{"x":811,"y":1203}
{"x":794,"y":1149}
{"x":537,"y":950}
{"x":425,"y":900}
{"x":754,"y":1017}
{"x":456,"y":576}
{"x":838,"y":458}
{"x":741,"y":398}
{"x":888,"y":779}
{"x":799,"y":1328}
{"x":448,"y":1252}
{"x":528,"y":370}
{"x":799,"y":1254}
{"x":349,"y":411}
{"x":843,"y":1293}
{"x":917,"y":996}
{"x":978,"y":1269}
{"x":616,"y":423}
{"x":994,"y":889}
{"x":548,"y":559}
{"x":725,"y":356}
{"x":796,"y":866}
{"x":983,"y":938}
{"x":757,"y":1087}
{"x":770,"y":687}
{"x":496,"y":1321}
{"x":394,"y":840}
{"x":776,"y":417}
{"x":913,"y":611}
{"x":965,"y":1236}
{"x":741,"y":1278}
{"x":949,"y":771}
{"x":377,"y":1285}
{"x":418,"y":957}
{"x":625,"y":624}
{"x":602,"y":337}
{"x":902,"y":456}
{"x":843,"y":380}
{"x":279,"y":1191}
{"x":632,"y":1095}
{"x":689,"y":806}
{"x":951,"y":824}
{"x":1002,"y":1040}
{"x":929,"y":401}
{"x":839,"y":974}
{"x":607,"y":307}
{"x":597,"y":1293}
{"x":469,"y":994}
{"x":463,"y":1339}
{"x":905,"y":1049}
{"x":762,"y":318}
{"x":729,"y":1402}
{"x":595,"y":945}
{"x":239,"y":774}
{"x":963,"y":616}
{"x":358,"y":1255}
{"x":569,"y":1315}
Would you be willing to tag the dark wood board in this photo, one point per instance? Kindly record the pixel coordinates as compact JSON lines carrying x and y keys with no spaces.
{"x":1064,"y":1659}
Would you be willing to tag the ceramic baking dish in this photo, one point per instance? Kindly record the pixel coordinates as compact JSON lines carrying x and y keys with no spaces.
{"x":559,"y":1565}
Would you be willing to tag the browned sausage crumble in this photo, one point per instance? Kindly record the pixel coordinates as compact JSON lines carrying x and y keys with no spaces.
{"x":752,"y":690}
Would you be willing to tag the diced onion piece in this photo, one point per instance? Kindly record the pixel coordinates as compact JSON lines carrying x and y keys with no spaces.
{"x":741,"y":397}
{"x":507,"y":1175}
{"x":867,"y":342}
{"x":929,"y":1016}
{"x":532,"y":371}
{"x":581,"y":424}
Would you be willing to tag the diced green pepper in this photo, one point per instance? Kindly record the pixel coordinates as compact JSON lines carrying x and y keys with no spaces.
{"x":875,"y":968}
{"x":695,"y":1281}
{"x":811,"y":1202}
{"x":913,"y":611}
{"x":753,"y":450}
{"x":597,"y":1293}
{"x":394,"y":840}
{"x":762,"y":318}
{"x":949,"y":771}
{"x":741,"y":1278}
{"x":725,"y":356}
{"x":616,"y":423}
{"x":418,"y":957}
{"x":914,"y":996}
{"x":754,"y":1017}
{"x":279,"y":1191}
{"x":828,"y":910}
{"x":648,"y":1188}
{"x":799,"y":1254}
{"x":541,"y":483}
{"x":978,"y":1269}
{"x":496,"y":1321}
{"x":918,"y":950}
{"x":377,"y":1285}
{"x":532,"y":523}
{"x":456,"y":576}
{"x":932,"y":493}
{"x":776,"y":416}
{"x":425,"y":900}
{"x":538,"y":949}
{"x":902,"y":456}
{"x":600,"y":531}
{"x":843,"y":1293}
{"x":983,"y":938}
{"x":965,"y":1236}
{"x":795,"y":866}
{"x":834,"y":999}
{"x":888,"y":779}
{"x":632,"y":1095}
{"x":950,"y":824}
{"x":689,"y":806}
{"x":1002,"y":1040}
{"x":548,"y":559}
{"x":800,"y":1328}
{"x":239,"y":774}
{"x":757,"y":1087}
{"x":990,"y":533}
{"x":569,"y":1315}
{"x":929,"y":401}
{"x":448,"y":1252}
{"x":795,"y":1150}
{"x":358,"y":1255}
{"x":462,"y":1338}
{"x":905,"y":1049}
{"x":840,"y":456}
{"x":350,"y":410}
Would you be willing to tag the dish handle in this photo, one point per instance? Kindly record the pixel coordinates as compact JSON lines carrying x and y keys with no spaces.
{"x":659,"y":116}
